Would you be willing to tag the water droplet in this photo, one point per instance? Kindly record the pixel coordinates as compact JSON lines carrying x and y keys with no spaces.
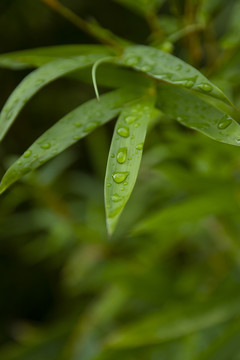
{"x":123,"y":131}
{"x":178,"y":67}
{"x":91,"y":126}
{"x":27,"y":153}
{"x":78,"y":124}
{"x":146,"y":68}
{"x":19,"y":163}
{"x":132,"y":137}
{"x":9,"y":114}
{"x":188,"y":84}
{"x":125,"y":183}
{"x":116,"y":197}
{"x":237,"y":141}
{"x":122,"y":155}
{"x":130,"y":158}
{"x":119,"y":177}
{"x":109,"y":184}
{"x":130,"y":119}
{"x":132,"y":61}
{"x":205,"y":87}
{"x":139,"y":146}
{"x":112,"y":155}
{"x":179,"y":118}
{"x":224,"y":122}
{"x":136,"y":125}
{"x":46,"y":146}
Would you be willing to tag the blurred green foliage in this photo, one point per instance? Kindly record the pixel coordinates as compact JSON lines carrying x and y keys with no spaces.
{"x":166,"y":286}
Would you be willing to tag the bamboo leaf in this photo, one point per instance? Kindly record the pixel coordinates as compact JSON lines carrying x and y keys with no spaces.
{"x":39,"y":56}
{"x":35,"y":81}
{"x":216,"y":202}
{"x":71,"y":128}
{"x":170,"y":69}
{"x":174,"y":322}
{"x":195,"y":113}
{"x":125,"y":156}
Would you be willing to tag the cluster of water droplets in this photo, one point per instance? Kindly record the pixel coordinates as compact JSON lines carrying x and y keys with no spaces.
{"x":120,"y":177}
{"x":170,"y":73}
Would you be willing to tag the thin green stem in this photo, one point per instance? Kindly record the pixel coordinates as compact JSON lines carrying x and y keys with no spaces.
{"x":94,"y":79}
{"x":101,"y":34}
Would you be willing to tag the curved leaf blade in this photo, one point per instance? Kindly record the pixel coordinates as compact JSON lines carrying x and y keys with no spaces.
{"x":170,"y":69}
{"x":125,"y":157}
{"x":196,"y":114}
{"x":175,"y":322}
{"x":39,"y":56}
{"x":68,"y":130}
{"x":36,"y":80}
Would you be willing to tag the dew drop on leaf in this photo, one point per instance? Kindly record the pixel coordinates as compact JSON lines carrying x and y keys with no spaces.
{"x":178,"y":67}
{"x":146,"y":68}
{"x":139,"y":146}
{"x":123,"y":131}
{"x":46,"y":146}
{"x":130,"y":119}
{"x":224,"y":122}
{"x":188,"y":84}
{"x":116,"y":197}
{"x":122,"y":155}
{"x":205,"y":87}
{"x":132,"y":61}
{"x":78,"y":124}
{"x":27,"y":153}
{"x":119,"y":177}
{"x":91,"y":126}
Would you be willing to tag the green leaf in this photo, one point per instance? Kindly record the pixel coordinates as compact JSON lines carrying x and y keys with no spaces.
{"x":35,"y":81}
{"x":225,"y":346}
{"x":125,"y":156}
{"x":220,"y":201}
{"x":170,"y":69}
{"x":40,"y":56}
{"x":196,"y":114}
{"x":175,"y":321}
{"x":71,"y":128}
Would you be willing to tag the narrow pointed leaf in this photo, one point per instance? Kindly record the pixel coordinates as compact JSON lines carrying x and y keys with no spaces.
{"x":71,"y":128}
{"x":170,"y":69}
{"x":125,"y":156}
{"x":218,"y":202}
{"x":35,"y":81}
{"x":40,"y":56}
{"x":196,"y":114}
{"x":174,"y":322}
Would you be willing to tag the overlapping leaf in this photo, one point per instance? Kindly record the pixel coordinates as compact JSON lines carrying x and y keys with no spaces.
{"x":170,"y":69}
{"x":175,"y":322}
{"x":39,"y":56}
{"x":195,"y":113}
{"x":222,"y":200}
{"x":125,"y":156}
{"x":71,"y":128}
{"x":35,"y":81}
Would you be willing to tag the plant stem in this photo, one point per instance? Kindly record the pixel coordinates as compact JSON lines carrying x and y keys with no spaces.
{"x":101,"y":34}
